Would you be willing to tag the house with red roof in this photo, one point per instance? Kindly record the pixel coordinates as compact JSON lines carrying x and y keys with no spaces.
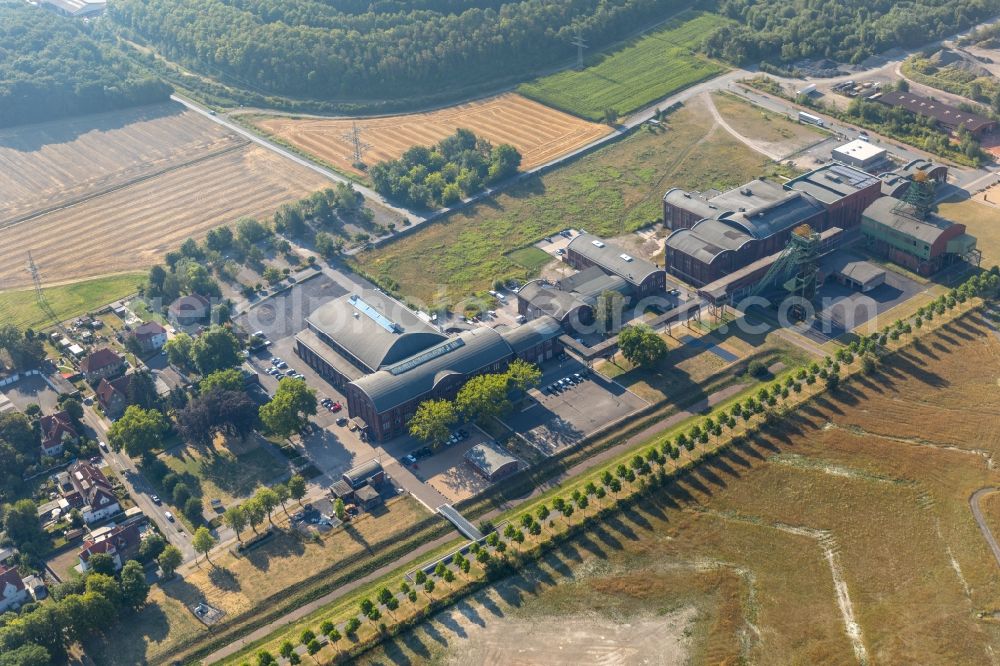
{"x":13,"y":593}
{"x":101,"y":364}
{"x":56,"y":430}
{"x":121,"y":543}
{"x":112,"y":395}
{"x":150,"y":336}
{"x":90,"y":492}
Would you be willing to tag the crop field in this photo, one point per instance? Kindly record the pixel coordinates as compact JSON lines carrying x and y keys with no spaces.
{"x":48,"y":165}
{"x":853,"y":514}
{"x":130,"y":228}
{"x":613,"y":190}
{"x":539,"y":133}
{"x":649,"y":68}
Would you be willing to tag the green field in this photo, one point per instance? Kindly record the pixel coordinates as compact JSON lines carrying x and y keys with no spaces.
{"x":647,"y":69}
{"x":21,"y":307}
{"x":531,"y":258}
{"x":612,"y":191}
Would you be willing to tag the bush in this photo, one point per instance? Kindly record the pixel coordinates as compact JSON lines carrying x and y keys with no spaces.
{"x":756,"y":369}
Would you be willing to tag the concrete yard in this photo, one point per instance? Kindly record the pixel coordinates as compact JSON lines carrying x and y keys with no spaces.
{"x":32,"y":390}
{"x":449,"y":474}
{"x":561,"y":420}
{"x":843,"y":308}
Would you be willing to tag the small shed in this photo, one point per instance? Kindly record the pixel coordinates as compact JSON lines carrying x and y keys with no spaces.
{"x":367,"y":497}
{"x":370,"y":472}
{"x":342,"y":490}
{"x":491,"y":461}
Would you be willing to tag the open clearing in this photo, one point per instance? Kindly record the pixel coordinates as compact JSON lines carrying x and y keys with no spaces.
{"x":67,"y":301}
{"x":981,"y":220}
{"x":539,"y":133}
{"x":853,"y":514}
{"x":131,"y":228}
{"x":649,"y":68}
{"x":48,"y":165}
{"x":773,"y":132}
{"x":611,"y":191}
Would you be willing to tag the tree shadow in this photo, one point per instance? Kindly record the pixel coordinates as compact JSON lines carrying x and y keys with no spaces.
{"x":224,"y":579}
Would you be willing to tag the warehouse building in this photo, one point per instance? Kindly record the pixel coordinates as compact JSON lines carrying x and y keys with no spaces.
{"x":752,"y":222}
{"x":587,"y":250}
{"x":896,"y":183}
{"x":573,"y":300}
{"x":949,"y":118}
{"x":357,"y":334}
{"x":894,"y":229}
{"x":860,"y":154}
{"x":383,"y":401}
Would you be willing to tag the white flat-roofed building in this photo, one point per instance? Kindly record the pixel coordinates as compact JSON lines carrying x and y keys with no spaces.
{"x":859,"y":154}
{"x":76,"y":8}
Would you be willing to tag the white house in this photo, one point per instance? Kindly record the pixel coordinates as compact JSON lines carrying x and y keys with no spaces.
{"x":13,"y":593}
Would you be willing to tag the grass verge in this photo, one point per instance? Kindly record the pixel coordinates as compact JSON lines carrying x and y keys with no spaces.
{"x":21,"y":308}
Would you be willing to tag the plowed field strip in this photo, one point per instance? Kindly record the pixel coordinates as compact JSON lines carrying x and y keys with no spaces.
{"x":131,"y":228}
{"x":538,"y":132}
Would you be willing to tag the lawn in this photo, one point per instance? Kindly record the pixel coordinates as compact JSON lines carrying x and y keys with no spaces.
{"x":612,"y":191}
{"x":531,"y":258}
{"x":980,"y":220}
{"x":649,"y":68}
{"x":227,"y":471}
{"x":257,"y":580}
{"x":68,"y":301}
{"x":693,"y":370}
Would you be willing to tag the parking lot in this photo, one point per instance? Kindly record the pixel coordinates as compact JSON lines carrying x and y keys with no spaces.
{"x":32,"y":390}
{"x":560,"y":419}
{"x":844,"y":308}
{"x":283,"y":315}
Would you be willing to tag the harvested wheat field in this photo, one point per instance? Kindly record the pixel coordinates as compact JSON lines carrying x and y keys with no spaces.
{"x":132,"y":227}
{"x":541,"y":134}
{"x":843,"y":536}
{"x":49,"y":165}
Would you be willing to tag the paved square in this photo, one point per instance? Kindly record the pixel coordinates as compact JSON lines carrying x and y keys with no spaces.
{"x":560,"y":420}
{"x":844,"y":308}
{"x":32,"y":390}
{"x":449,"y":474}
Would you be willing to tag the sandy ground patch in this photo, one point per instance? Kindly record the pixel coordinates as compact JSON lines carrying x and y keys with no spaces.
{"x":571,"y":641}
{"x":540,"y":133}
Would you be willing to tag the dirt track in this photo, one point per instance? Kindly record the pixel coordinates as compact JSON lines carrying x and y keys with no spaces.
{"x":540,"y":133}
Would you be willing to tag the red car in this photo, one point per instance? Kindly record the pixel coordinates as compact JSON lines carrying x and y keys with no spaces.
{"x":336,"y":407}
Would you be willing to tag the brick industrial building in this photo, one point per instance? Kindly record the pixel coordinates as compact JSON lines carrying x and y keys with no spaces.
{"x":387,"y":360}
{"x":713,"y":236}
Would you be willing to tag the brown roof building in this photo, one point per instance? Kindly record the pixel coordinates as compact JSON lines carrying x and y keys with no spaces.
{"x":56,"y":430}
{"x":947,"y":116}
{"x":102,"y":363}
{"x":112,"y":395}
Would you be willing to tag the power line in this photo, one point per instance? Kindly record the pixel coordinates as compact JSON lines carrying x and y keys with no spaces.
{"x":359,"y":147}
{"x":580,"y":45}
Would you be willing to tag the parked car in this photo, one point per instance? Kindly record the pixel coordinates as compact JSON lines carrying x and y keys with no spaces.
{"x":169,"y":516}
{"x":104,"y":447}
{"x":341,"y":421}
{"x":289,"y":372}
{"x":281,"y":365}
{"x":156,"y":499}
{"x":409,"y":459}
{"x":336,"y":407}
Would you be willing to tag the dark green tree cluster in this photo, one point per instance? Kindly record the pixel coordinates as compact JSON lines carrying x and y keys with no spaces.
{"x":222,"y":410}
{"x":457,"y":166}
{"x":18,"y":449}
{"x":23,"y":348}
{"x":381,"y":50}
{"x":845,"y":30}
{"x":641,"y":346}
{"x":50,"y":67}
{"x":80,"y":609}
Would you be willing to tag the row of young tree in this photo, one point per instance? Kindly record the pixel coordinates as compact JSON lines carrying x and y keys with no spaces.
{"x":457,"y":166}
{"x":304,"y":49}
{"x":844,"y":30}
{"x":50,"y":67}
{"x":482,"y":397}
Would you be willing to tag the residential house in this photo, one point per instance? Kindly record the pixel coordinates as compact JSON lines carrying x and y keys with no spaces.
{"x":150,"y":336}
{"x":86,"y":488}
{"x":101,"y":364}
{"x":189,"y":310}
{"x":56,"y":430}
{"x":121,"y":543}
{"x":13,"y":593}
{"x":112,"y":395}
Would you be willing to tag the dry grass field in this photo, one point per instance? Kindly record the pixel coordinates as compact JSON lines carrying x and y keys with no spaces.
{"x":982,"y":220}
{"x":51,"y":164}
{"x":844,"y":536}
{"x":131,"y":228}
{"x":237,"y":584}
{"x":540,"y":133}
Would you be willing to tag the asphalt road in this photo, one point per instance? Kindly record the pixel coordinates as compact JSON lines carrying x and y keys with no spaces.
{"x":139,"y":488}
{"x":977,"y":513}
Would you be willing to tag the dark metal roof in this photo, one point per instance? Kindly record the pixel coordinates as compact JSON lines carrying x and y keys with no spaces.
{"x":707,"y":240}
{"x":489,"y":459}
{"x":532,"y":333}
{"x":373,"y":328}
{"x":790,"y":211}
{"x":832,"y":182}
{"x":612,"y":258}
{"x":549,"y":299}
{"x":942,"y":112}
{"x":899,"y":216}
{"x":362,"y":472}
{"x":465,"y":355}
